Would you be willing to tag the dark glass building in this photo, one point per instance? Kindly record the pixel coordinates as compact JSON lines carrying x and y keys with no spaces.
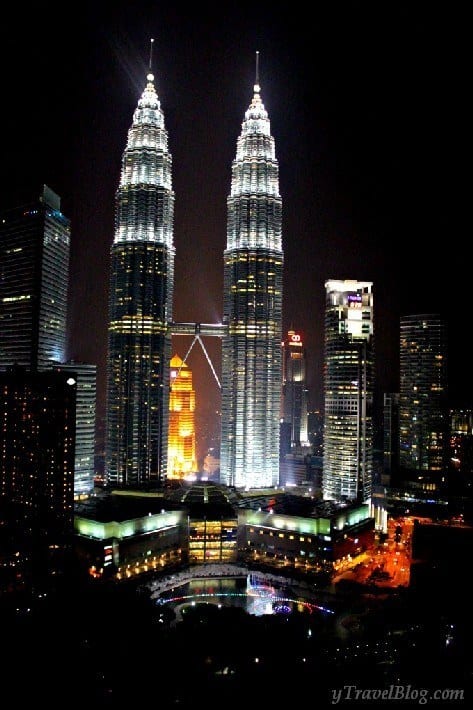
{"x":424,"y":425}
{"x":252,"y":311}
{"x":390,"y":472}
{"x":34,"y":264}
{"x":37,"y":450}
{"x":294,"y":390}
{"x":140,"y":307}
{"x":348,"y":390}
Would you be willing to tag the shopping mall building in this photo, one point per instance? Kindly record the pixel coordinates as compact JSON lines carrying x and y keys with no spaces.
{"x":122,"y":534}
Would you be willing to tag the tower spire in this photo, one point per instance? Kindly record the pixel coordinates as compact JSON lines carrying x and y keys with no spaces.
{"x":256,"y":86}
{"x":151,"y":42}
{"x":150,"y":75}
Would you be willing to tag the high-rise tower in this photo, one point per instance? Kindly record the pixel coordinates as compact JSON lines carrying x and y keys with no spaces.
{"x":423,"y":409}
{"x":85,"y":376}
{"x":253,"y":282}
{"x":390,"y":438}
{"x":141,"y":289}
{"x":37,"y":444}
{"x":34,"y":277}
{"x":294,"y":395}
{"x":181,"y":447}
{"x":348,"y":423}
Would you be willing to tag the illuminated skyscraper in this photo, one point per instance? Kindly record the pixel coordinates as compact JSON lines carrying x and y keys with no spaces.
{"x":423,"y":409}
{"x":348,"y":385}
{"x":294,"y":392}
{"x":252,"y":311}
{"x":141,"y":290}
{"x":34,"y":277}
{"x":181,"y":442}
{"x":85,"y":376}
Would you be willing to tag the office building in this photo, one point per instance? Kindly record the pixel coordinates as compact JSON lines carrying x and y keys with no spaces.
{"x":461,"y":452}
{"x":85,"y":375}
{"x":252,"y":312}
{"x":315,"y":427}
{"x":348,"y":391}
{"x":181,"y":439}
{"x":140,"y":304}
{"x":34,"y":263}
{"x":294,"y":469}
{"x":302,"y":534}
{"x":461,"y":421}
{"x":37,"y":450}
{"x":390,"y":472}
{"x":294,"y":389}
{"x":423,"y":437}
{"x":122,"y":541}
{"x":125,"y":534}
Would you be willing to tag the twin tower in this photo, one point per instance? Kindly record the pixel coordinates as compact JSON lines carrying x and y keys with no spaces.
{"x":141,"y":305}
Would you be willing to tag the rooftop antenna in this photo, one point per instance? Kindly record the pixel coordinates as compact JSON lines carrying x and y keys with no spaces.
{"x":257,"y":72}
{"x":151,"y":55}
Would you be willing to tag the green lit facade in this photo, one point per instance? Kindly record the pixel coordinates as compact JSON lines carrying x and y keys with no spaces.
{"x":213,"y":532}
{"x":313,"y":542}
{"x":121,"y":549}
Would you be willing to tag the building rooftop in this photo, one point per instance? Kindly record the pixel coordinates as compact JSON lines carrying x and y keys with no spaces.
{"x":205,"y":499}
{"x":110,"y":506}
{"x":291,"y":504}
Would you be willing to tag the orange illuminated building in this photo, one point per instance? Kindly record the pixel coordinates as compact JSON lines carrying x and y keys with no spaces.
{"x":181,"y":438}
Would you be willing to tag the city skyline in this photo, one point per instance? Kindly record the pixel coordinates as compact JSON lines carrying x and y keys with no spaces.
{"x":362,"y":112}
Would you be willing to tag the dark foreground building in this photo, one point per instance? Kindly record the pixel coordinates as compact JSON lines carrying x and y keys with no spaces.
{"x":37,"y":451}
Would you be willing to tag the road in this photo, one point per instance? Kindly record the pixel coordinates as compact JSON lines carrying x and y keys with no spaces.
{"x":387,"y":563}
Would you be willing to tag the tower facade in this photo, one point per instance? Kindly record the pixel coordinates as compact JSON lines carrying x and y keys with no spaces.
{"x":34,"y":277}
{"x":424,"y":426}
{"x":294,"y":393}
{"x":140,"y":306}
{"x":252,"y":311}
{"x":181,"y":442}
{"x":390,"y":438}
{"x":348,"y":390}
{"x":85,"y":376}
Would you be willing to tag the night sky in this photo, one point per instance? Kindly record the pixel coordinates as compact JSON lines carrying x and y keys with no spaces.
{"x":367,"y":108}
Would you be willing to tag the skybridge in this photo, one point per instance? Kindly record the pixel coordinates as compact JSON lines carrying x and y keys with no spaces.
{"x":199,"y":330}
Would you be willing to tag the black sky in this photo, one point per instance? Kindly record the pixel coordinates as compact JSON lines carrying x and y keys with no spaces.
{"x":367,"y":102}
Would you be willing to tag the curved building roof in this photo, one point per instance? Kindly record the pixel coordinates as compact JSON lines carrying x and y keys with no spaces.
{"x":205,"y":498}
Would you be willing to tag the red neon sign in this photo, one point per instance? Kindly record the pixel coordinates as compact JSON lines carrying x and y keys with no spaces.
{"x":295,"y":339}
